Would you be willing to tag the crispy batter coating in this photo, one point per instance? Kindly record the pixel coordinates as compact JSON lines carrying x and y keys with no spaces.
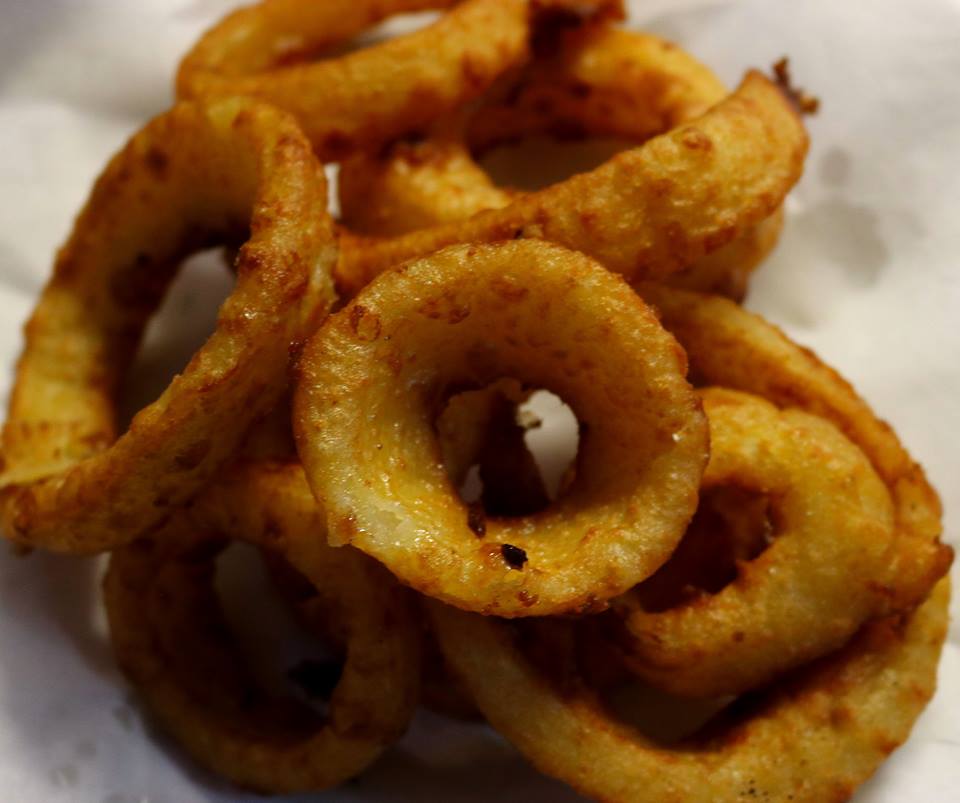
{"x":811,"y":739}
{"x":374,"y":379}
{"x":194,"y":176}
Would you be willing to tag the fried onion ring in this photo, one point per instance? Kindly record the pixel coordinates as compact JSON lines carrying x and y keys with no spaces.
{"x":601,"y":81}
{"x":730,"y":347}
{"x":171,"y":640}
{"x":647,"y":212}
{"x":810,"y":591}
{"x":814,"y":738}
{"x":377,"y":373}
{"x":374,"y":94}
{"x":194,"y":176}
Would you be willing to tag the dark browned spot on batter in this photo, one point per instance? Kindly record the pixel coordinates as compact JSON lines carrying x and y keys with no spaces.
{"x":526,"y":598}
{"x":346,"y":528}
{"x":507,"y":289}
{"x":157,"y":162}
{"x":365,"y":324}
{"x":696,"y":140}
{"x":192,"y":456}
{"x":445,"y":307}
{"x":514,"y":556}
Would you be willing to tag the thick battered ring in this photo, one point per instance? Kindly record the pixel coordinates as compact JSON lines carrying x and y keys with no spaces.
{"x":194,"y":176}
{"x":375,"y":377}
{"x":647,"y":212}
{"x":815,"y":585}
{"x":730,"y":347}
{"x":813,"y":739}
{"x":171,"y":640}
{"x":599,"y":81}
{"x":372,"y":95}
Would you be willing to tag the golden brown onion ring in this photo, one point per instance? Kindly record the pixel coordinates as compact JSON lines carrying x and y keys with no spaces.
{"x":810,"y":591}
{"x":194,"y":176}
{"x":374,"y":94}
{"x":171,"y":640}
{"x":599,"y":81}
{"x":814,"y":738}
{"x":647,"y":212}
{"x":375,"y":377}
{"x":733,"y":348}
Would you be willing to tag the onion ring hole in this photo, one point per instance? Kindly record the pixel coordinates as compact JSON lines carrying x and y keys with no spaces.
{"x":287,"y":656}
{"x":509,"y":451}
{"x":732,"y":525}
{"x":538,"y":160}
{"x":185,"y":319}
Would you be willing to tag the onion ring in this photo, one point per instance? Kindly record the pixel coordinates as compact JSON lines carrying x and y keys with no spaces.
{"x":810,"y":591}
{"x":194,"y":175}
{"x":601,"y":81}
{"x":170,"y":639}
{"x":828,"y":727}
{"x":372,"y":380}
{"x":647,"y":212}
{"x":730,"y":347}
{"x":375,"y":94}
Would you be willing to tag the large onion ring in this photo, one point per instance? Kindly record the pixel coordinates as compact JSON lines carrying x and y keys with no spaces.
{"x":194,"y":176}
{"x":170,"y":639}
{"x":810,"y":591}
{"x":374,"y":377}
{"x":602,"y":81}
{"x":647,"y":212}
{"x":733,"y":348}
{"x":811,"y":740}
{"x":372,"y":95}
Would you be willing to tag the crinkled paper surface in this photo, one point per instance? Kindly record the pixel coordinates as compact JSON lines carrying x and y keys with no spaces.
{"x":867,"y":273}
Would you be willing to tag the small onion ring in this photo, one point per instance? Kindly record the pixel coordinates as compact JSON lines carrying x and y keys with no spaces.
{"x":372,"y":95}
{"x":730,"y":347}
{"x":814,"y":738}
{"x":603,"y":81}
{"x":170,"y":639}
{"x":815,"y":585}
{"x":375,"y":375}
{"x":648,"y":211}
{"x":193,"y":176}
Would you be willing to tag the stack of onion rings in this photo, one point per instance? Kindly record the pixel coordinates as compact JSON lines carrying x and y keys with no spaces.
{"x":751,"y":530}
